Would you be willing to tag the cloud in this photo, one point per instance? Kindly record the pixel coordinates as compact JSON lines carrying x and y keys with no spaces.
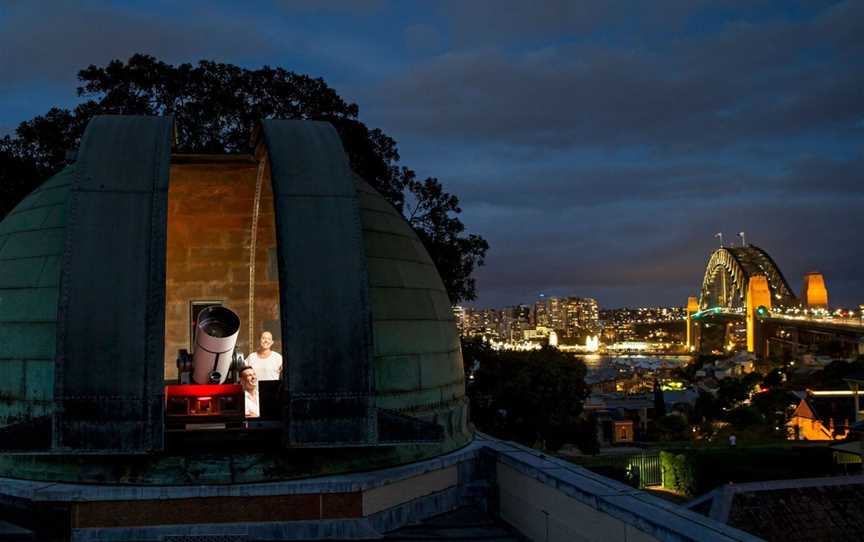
{"x":703,"y":91}
{"x":481,"y":22}
{"x":607,"y":181}
{"x":597,"y":145}
{"x":50,"y":45}
{"x":644,"y":254}
{"x":354,"y":7}
{"x":422,"y":38}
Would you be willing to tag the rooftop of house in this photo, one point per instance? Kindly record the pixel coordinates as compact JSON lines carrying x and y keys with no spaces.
{"x":807,"y":509}
{"x":837,"y":408}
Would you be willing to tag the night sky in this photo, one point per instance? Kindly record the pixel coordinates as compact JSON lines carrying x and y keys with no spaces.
{"x":598,"y":146}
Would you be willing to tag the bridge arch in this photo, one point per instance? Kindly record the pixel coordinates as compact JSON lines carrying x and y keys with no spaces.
{"x":728,"y":274}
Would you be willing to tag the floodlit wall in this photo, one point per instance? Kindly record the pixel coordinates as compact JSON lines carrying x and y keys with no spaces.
{"x":211,"y":202}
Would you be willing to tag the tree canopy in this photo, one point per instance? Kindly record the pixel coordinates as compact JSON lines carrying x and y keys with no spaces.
{"x":529,"y":397}
{"x":216,"y":107}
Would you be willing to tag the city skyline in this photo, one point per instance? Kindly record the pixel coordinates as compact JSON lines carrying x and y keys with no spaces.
{"x":598,"y":147}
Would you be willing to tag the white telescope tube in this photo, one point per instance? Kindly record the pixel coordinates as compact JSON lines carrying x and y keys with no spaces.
{"x":215,"y":337}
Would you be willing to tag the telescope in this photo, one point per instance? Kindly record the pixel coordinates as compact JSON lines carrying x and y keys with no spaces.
{"x":207,"y":403}
{"x":215,"y":337}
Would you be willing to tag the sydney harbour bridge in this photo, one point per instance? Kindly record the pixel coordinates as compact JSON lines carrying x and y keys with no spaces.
{"x":744,"y":284}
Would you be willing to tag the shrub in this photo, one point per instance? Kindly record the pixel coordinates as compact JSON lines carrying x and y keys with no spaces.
{"x":694,"y":472}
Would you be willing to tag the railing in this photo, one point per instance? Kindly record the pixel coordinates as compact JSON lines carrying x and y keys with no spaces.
{"x":780,"y":314}
{"x":639,"y":470}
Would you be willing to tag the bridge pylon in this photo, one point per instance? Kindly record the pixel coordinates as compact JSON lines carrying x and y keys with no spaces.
{"x":758,"y":294}
{"x":692,"y":308}
{"x":814,"y":293}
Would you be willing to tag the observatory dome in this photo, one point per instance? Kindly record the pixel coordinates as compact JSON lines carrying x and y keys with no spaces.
{"x":103,"y":268}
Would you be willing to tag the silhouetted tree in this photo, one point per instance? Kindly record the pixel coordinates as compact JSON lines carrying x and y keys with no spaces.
{"x":659,"y":401}
{"x":528,"y":397}
{"x":706,"y":408}
{"x":832,"y":376}
{"x":216,"y":107}
{"x":671,"y":427}
{"x":773,"y":379}
{"x":743,"y":417}
{"x":775,"y":406}
{"x":733,"y":391}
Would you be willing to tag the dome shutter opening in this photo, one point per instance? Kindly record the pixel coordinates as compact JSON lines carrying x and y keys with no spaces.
{"x":111,"y":333}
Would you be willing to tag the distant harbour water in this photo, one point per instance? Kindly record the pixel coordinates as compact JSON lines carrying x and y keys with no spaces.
{"x":600,"y":365}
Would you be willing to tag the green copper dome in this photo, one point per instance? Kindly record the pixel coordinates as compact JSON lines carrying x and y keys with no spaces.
{"x":416,"y":362}
{"x":32,"y":240}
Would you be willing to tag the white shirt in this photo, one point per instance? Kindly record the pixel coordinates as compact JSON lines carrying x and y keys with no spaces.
{"x":266,"y":368}
{"x":252,"y":407}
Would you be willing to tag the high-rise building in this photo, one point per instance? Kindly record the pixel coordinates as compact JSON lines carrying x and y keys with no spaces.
{"x":515,"y":321}
{"x":541,"y":312}
{"x":557,"y":314}
{"x":582,"y":315}
{"x":459,"y":313}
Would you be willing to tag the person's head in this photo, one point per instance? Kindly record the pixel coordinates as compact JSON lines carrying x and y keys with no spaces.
{"x":266,"y":340}
{"x":248,"y":378}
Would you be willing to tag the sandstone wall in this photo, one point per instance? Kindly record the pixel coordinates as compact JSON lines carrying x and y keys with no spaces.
{"x":210,"y":215}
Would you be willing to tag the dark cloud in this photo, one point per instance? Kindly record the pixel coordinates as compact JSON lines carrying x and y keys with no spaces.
{"x":50,"y":45}
{"x":629,"y":254}
{"x":744,"y":81}
{"x":355,"y":7}
{"x":577,"y":186}
{"x":602,"y":162}
{"x":422,"y":37}
{"x":481,"y":22}
{"x":597,"y":145}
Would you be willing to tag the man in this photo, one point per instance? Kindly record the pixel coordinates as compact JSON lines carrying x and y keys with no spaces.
{"x":266,"y":362}
{"x":250,"y":390}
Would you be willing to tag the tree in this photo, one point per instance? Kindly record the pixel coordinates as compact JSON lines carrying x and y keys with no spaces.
{"x":774,"y":379}
{"x":706,"y":408}
{"x":530,"y":397}
{"x":775,"y":406}
{"x":832,"y":376}
{"x":743,"y":417}
{"x":216,"y":108}
{"x":672,"y":427}
{"x":735,"y":390}
{"x":659,"y":401}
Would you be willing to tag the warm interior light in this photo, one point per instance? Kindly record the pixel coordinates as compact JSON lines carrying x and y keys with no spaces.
{"x":212,"y":203}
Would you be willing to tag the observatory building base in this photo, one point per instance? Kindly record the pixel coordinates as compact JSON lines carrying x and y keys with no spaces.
{"x":532,"y":495}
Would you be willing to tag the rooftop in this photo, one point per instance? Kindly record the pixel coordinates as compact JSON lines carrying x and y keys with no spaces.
{"x":805,"y":510}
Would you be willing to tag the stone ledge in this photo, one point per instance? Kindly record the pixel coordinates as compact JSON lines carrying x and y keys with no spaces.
{"x":367,"y":504}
